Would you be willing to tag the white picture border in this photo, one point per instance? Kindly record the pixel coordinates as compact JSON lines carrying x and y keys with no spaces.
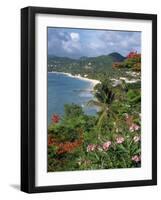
{"x":44,"y":178}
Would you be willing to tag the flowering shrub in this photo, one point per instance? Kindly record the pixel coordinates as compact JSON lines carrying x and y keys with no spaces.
{"x":117,"y":151}
{"x":73,"y":143}
{"x":91,"y":147}
{"x":133,"y":61}
{"x":55,"y":118}
{"x":64,"y":147}
{"x":106,"y":145}
{"x":133,"y":55}
{"x":136,"y":138}
{"x":119,"y":140}
{"x":136,"y":158}
{"x":134,"y":127}
{"x":116,"y":154}
{"x":67,"y":146}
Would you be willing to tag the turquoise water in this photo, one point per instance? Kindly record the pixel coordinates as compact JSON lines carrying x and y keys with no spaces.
{"x":63,"y":89}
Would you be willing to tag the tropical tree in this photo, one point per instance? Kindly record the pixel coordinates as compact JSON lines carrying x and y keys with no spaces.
{"x":104,"y":97}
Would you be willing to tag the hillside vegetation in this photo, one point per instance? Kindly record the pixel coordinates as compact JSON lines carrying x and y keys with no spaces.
{"x":110,"y":139}
{"x":91,"y":66}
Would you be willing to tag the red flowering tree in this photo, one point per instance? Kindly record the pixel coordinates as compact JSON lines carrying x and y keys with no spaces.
{"x":132,"y":61}
{"x":55,"y":118}
{"x":134,"y":55}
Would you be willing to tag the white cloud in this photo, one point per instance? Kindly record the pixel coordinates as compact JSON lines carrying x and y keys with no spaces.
{"x":76,"y":43}
{"x":74,"y":36}
{"x":93,"y":45}
{"x":67,"y":46}
{"x":71,"y":46}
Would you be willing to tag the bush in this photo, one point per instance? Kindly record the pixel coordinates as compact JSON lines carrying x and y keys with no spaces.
{"x":132,"y":61}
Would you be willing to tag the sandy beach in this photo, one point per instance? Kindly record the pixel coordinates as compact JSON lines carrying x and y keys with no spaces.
{"x":92,"y":81}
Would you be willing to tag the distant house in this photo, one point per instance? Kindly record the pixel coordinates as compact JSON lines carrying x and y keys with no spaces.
{"x":87,"y":67}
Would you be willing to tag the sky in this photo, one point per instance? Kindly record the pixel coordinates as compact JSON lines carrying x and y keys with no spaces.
{"x":75,"y":43}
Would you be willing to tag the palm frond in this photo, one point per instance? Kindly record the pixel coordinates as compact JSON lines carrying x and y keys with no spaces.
{"x":102,"y":118}
{"x":94,"y":103}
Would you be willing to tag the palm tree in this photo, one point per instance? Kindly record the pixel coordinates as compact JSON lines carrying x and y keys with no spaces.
{"x":103,"y":99}
{"x":120,"y":90}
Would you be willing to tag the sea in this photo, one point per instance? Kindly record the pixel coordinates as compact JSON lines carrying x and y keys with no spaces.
{"x":64,"y":89}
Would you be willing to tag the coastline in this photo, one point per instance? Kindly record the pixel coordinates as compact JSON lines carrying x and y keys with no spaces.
{"x":92,"y":81}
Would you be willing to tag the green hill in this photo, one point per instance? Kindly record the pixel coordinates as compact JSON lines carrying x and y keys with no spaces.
{"x":84,"y":65}
{"x":117,"y":57}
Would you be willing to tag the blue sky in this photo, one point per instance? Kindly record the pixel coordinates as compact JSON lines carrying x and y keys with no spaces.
{"x":74,"y":43}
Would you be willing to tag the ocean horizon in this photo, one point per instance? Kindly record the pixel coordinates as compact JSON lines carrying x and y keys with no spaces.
{"x":64,"y":89}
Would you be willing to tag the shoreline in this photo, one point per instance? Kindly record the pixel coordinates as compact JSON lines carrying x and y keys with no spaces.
{"x":92,"y":81}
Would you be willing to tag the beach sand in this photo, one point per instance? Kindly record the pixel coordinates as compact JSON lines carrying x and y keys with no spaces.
{"x":92,"y":81}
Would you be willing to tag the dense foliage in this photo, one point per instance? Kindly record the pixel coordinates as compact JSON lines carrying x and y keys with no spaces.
{"x":94,"y":67}
{"x":111,"y":139}
{"x":133,"y":61}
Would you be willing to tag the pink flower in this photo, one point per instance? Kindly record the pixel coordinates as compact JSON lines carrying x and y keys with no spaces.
{"x":106,"y":145}
{"x":134,"y":127}
{"x":91,"y":147}
{"x":136,"y":138}
{"x":136,"y":158}
{"x":120,"y":140}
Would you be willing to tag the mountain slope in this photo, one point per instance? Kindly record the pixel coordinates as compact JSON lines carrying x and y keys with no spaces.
{"x":85,"y":64}
{"x":116,"y":57}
